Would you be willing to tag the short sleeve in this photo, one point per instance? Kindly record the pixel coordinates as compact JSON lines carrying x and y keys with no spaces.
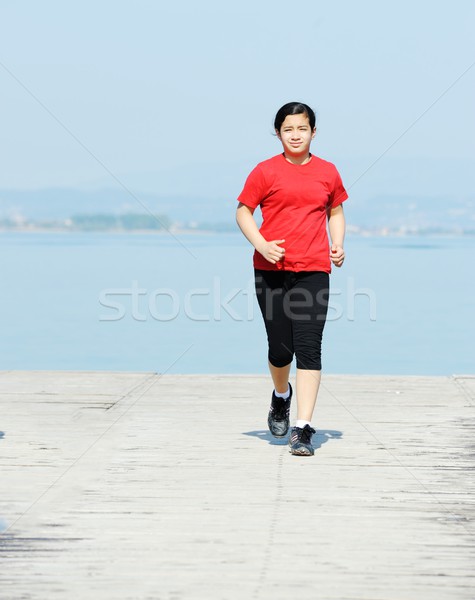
{"x":338,"y":194}
{"x":254,"y":189}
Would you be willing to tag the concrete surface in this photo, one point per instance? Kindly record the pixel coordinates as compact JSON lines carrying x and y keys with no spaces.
{"x":142,"y":486}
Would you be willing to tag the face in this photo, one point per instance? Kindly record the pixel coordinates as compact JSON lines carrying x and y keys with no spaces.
{"x":296,"y":135}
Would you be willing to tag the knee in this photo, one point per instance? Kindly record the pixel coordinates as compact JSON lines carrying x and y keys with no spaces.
{"x":309,"y":359}
{"x":308,"y":364}
{"x":280,"y":356}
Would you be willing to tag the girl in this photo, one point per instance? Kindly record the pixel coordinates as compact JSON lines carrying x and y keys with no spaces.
{"x":297,"y":193}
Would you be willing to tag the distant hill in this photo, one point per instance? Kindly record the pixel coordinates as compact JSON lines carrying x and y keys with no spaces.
{"x":364,"y":177}
{"x":63,"y":203}
{"x":376,"y":213}
{"x":411,"y":213}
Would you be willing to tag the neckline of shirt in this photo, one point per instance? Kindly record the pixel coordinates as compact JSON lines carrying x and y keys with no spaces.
{"x":312,"y":156}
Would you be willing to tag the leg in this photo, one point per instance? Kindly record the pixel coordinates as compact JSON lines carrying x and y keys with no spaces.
{"x":270,"y":286}
{"x":270,"y":296}
{"x":280,"y":377}
{"x":308,"y":382}
{"x":309,"y":309}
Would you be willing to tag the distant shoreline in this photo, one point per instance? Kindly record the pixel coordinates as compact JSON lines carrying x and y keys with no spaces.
{"x":196,"y":231}
{"x":114,"y":231}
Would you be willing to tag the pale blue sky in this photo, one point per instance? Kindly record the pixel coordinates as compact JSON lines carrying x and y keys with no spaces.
{"x":157,"y":90}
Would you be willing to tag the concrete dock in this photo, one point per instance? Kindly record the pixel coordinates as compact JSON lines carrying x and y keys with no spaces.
{"x":134,"y":486}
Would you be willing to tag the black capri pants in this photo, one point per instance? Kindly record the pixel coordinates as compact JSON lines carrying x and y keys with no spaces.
{"x":294,"y":306}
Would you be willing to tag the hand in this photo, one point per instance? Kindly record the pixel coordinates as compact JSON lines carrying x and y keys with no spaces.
{"x":337,"y":255}
{"x":271,"y":251}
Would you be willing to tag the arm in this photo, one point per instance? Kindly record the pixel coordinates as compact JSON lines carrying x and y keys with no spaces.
{"x":336,"y":225}
{"x":271,"y":251}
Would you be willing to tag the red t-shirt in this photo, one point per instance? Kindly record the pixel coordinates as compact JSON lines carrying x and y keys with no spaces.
{"x":294,"y":201}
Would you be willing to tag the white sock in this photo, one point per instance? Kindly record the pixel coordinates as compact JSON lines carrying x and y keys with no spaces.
{"x":301,"y":423}
{"x":285,"y":395}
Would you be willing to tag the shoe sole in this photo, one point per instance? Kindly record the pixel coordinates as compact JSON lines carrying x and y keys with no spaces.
{"x":301,"y":452}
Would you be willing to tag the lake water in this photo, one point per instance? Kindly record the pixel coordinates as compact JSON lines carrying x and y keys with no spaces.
{"x":98,"y":301}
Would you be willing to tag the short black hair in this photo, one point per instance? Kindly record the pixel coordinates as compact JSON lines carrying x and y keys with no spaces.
{"x":294,"y":108}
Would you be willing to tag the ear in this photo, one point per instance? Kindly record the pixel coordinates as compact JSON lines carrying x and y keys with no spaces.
{"x":314,"y":132}
{"x":277,"y":133}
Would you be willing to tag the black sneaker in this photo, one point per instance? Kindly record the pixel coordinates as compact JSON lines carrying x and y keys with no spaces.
{"x":300,"y":441}
{"x":278,"y":418}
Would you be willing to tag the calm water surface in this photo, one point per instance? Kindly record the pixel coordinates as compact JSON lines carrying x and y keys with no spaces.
{"x":149,"y":303}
